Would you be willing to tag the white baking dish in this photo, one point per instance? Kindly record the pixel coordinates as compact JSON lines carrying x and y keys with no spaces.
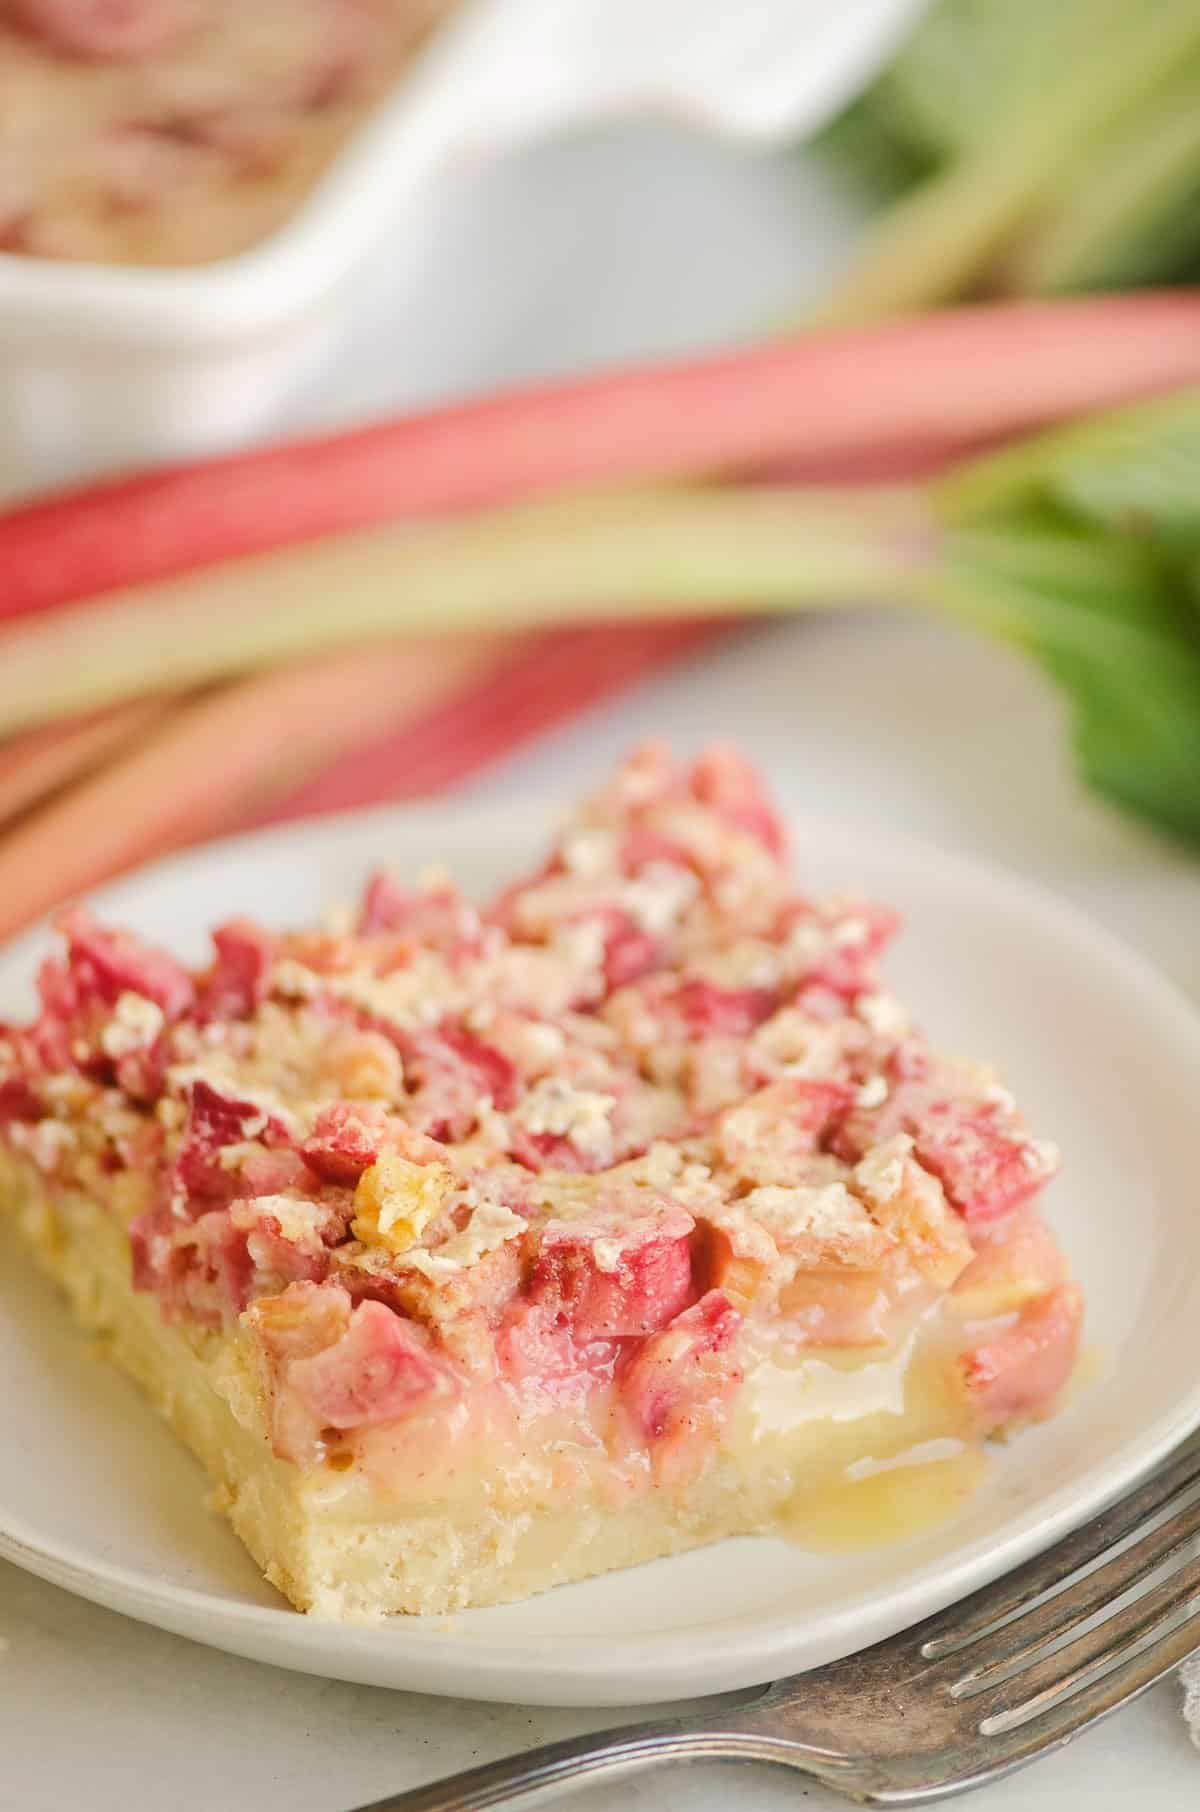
{"x":102,"y":366}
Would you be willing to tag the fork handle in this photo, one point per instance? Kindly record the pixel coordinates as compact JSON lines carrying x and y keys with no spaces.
{"x":575,"y":1761}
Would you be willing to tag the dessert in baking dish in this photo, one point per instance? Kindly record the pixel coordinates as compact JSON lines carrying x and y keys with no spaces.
{"x":477,"y":1250}
{"x":180,"y":131}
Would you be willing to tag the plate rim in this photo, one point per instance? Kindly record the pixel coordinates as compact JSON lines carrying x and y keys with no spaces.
{"x":571,"y":1668}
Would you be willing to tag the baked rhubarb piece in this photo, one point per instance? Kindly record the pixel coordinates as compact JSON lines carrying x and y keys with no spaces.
{"x":474,"y":1250}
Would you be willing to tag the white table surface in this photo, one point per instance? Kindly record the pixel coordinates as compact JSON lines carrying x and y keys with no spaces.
{"x":634,"y":241}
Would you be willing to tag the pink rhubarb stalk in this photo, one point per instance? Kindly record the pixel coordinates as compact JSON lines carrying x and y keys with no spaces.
{"x":541,"y":681}
{"x":944,"y":380}
{"x":42,"y":761}
{"x":216,"y":760}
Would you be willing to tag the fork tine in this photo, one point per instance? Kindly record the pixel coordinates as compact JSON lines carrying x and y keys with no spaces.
{"x":1073,"y":1665}
{"x":1021,"y":1639}
{"x":1000,"y":1751}
{"x":963,"y":1623}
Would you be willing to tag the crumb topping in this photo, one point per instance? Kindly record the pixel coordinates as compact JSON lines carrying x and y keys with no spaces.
{"x":649,"y":1075}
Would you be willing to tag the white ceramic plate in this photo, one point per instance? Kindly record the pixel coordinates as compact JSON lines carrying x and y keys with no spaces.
{"x":97,"y":1497}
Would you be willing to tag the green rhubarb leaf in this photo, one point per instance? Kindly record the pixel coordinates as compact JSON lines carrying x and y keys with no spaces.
{"x":971,"y":66}
{"x":1134,"y":470}
{"x":1123,"y":644}
{"x":863,"y":150}
{"x":1083,"y":545}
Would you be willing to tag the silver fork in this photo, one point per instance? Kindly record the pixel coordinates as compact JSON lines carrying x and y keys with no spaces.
{"x":1016,"y":1669}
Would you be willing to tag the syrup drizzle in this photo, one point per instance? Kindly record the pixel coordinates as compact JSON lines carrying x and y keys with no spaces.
{"x":889,"y":1448}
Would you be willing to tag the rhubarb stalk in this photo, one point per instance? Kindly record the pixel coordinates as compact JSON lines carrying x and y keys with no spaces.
{"x":40,"y":762}
{"x":1083,"y":544}
{"x":604,"y":556}
{"x":822,"y":400}
{"x":1002,"y":99}
{"x":224,"y":757}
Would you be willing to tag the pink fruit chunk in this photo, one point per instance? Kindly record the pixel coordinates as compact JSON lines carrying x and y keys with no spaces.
{"x":149,"y":1236}
{"x":548,"y":1151}
{"x":780,"y":1124}
{"x":282,"y":1255}
{"x":643,"y":845}
{"x":813,"y":1107}
{"x":733,"y":1011}
{"x":683,"y":1369}
{"x":272,"y":1170}
{"x":386,"y":905}
{"x":345,"y":1139}
{"x":201,"y":1270}
{"x":250,"y":138}
{"x":908,"y":1061}
{"x":139,"y":164}
{"x":645,"y":776}
{"x":239,"y":978}
{"x":723,"y":779}
{"x":48,"y":1041}
{"x":440,"y":918}
{"x":629,"y":952}
{"x":985,"y":1169}
{"x":18,"y":1101}
{"x":377,"y":1371}
{"x":910,"y":1205}
{"x":215,"y":1121}
{"x":1015,"y":1262}
{"x":818,"y":1002}
{"x":544,"y":1359}
{"x":342,"y":57}
{"x":605,"y":1280}
{"x":104,"y":964}
{"x":213,"y":1268}
{"x":58,"y":990}
{"x":143,"y":1074}
{"x":492,"y":1071}
{"x":1020,"y":1371}
{"x":302,"y":1320}
{"x":977,"y":1149}
{"x":846,"y":945}
{"x":102,"y":30}
{"x":454,"y":1073}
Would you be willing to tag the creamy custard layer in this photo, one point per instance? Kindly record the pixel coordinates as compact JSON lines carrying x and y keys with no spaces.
{"x":828,"y":1448}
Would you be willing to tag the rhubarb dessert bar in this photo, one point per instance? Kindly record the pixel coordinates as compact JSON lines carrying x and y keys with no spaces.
{"x":177,"y":132}
{"x":478,"y":1248}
